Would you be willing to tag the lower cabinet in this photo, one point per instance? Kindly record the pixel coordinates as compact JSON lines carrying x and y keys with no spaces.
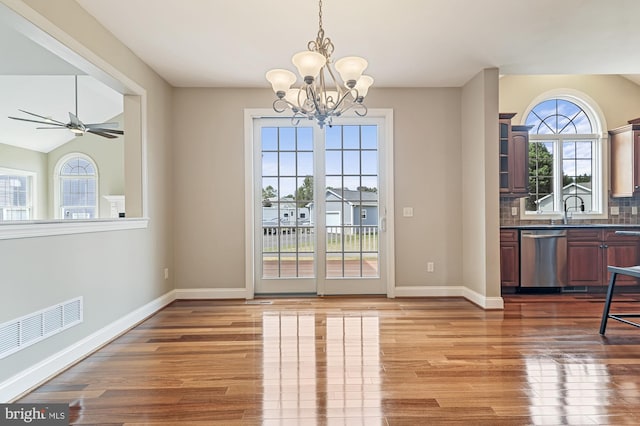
{"x":509,"y":258}
{"x":590,"y":251}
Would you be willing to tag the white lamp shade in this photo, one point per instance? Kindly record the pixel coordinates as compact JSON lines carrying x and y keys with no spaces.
{"x":363,"y":84}
{"x":294,"y":96}
{"x":281,"y":80}
{"x":308,"y":63}
{"x":351,"y":68}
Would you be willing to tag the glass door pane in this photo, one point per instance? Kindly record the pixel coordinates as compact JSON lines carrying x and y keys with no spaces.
{"x":352,"y":204}
{"x":288,"y":247}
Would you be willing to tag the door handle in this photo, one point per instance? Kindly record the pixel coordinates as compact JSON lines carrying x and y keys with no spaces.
{"x":383,"y":224}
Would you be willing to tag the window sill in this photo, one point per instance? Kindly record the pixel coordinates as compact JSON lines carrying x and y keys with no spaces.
{"x":33,"y":229}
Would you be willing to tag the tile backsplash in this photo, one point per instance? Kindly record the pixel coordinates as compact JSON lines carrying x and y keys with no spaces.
{"x":625,"y":207}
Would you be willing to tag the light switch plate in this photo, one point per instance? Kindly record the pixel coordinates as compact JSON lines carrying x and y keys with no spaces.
{"x":407,"y":212}
{"x":634,"y":210}
{"x":514,"y":211}
{"x":615,"y":210}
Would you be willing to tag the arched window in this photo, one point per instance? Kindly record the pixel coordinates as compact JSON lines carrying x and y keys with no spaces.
{"x":77,"y":179}
{"x":565,"y":171}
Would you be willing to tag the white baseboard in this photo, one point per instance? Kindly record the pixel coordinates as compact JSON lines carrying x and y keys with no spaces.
{"x":47,"y":368}
{"x":429,"y":291}
{"x":211,"y":293}
{"x":483,"y":301}
{"x":451,"y":291}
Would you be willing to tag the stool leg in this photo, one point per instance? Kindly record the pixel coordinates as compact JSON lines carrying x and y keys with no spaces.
{"x":607,"y":303}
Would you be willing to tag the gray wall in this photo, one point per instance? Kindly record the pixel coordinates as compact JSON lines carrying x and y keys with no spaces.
{"x":116,"y":272}
{"x":209,"y":165}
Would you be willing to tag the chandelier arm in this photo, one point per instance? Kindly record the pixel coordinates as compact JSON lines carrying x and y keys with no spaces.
{"x":363,"y":106}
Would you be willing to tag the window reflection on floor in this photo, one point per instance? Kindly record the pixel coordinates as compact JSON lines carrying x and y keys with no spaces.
{"x":289,"y":366}
{"x":353,"y":367}
{"x":333,"y":374}
{"x":566,"y":392}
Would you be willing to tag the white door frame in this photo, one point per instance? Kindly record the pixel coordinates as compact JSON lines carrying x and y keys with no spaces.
{"x":250,"y":114}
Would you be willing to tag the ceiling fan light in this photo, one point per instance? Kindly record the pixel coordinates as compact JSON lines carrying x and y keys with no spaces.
{"x":350,"y":69}
{"x":308,"y":64}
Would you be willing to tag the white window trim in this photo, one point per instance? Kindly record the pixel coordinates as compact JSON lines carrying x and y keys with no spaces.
{"x":597,"y":117}
{"x":57,"y":179}
{"x":33,"y":195}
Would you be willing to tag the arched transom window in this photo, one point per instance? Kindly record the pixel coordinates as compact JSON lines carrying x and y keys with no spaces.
{"x":564,"y":155}
{"x":77,"y":180}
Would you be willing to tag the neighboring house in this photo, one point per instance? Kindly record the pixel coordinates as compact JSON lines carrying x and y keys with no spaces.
{"x":285,"y":210}
{"x":581,"y":191}
{"x":360,"y":208}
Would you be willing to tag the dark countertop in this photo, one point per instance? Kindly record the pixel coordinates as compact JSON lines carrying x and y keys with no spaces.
{"x":571,"y":225}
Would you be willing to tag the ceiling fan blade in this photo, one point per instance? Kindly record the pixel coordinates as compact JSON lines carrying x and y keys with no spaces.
{"x":51,"y":128}
{"x":102,"y":125}
{"x":100,"y":129}
{"x":40,"y":122}
{"x":49,"y":120}
{"x":103,"y":134}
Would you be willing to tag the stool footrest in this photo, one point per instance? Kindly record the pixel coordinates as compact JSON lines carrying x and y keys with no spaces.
{"x":633,"y":271}
{"x":621,"y":318}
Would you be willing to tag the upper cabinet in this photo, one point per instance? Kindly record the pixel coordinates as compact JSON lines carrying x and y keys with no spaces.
{"x":514,"y":157}
{"x":625,"y":160}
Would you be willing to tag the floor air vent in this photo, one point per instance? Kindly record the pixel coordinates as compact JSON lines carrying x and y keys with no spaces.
{"x":22,"y":332}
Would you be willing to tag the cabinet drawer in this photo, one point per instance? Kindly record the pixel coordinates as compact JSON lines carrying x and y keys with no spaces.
{"x":611,"y":236}
{"x":584,"y":234}
{"x":508,"y":235}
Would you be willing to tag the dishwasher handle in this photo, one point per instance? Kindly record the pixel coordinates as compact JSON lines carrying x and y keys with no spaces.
{"x":538,"y":237}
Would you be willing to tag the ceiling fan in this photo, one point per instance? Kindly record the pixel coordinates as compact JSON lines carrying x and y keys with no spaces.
{"x":106,"y":130}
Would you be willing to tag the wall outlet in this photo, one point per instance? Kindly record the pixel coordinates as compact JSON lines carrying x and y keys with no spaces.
{"x":634,"y":210}
{"x":166,"y":273}
{"x":407,"y":212}
{"x":429,"y":266}
{"x":514,"y":211}
{"x":615,"y":210}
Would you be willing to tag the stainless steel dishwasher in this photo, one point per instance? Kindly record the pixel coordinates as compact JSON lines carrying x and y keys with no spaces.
{"x":543,"y":258}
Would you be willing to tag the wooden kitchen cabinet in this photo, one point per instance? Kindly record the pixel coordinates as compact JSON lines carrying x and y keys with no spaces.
{"x":625,"y":160}
{"x":509,"y":258}
{"x":514,"y":157}
{"x":584,"y":257}
{"x":590,"y":251}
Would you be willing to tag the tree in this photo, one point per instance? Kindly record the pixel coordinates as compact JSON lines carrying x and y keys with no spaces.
{"x":540,"y":173}
{"x":304,"y":194}
{"x":268,"y":192}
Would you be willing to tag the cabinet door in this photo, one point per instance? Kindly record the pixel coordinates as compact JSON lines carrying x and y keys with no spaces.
{"x":636,"y":161}
{"x":584,"y":262}
{"x":621,"y":254}
{"x":509,"y":264}
{"x":505,"y":151}
{"x":520,"y":165}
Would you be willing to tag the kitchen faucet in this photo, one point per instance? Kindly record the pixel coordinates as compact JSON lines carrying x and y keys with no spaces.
{"x":565,"y":219}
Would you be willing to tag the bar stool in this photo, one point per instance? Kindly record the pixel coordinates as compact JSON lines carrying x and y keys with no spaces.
{"x":633,"y":271}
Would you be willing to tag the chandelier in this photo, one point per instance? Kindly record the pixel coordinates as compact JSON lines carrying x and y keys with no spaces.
{"x":321,"y":96}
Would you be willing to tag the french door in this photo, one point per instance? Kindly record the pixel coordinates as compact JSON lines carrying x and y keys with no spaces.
{"x":320,"y":207}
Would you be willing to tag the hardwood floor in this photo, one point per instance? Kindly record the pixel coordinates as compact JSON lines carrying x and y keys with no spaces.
{"x":362,"y":361}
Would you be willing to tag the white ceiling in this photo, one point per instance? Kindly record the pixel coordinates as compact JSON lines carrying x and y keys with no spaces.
{"x":408,"y":43}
